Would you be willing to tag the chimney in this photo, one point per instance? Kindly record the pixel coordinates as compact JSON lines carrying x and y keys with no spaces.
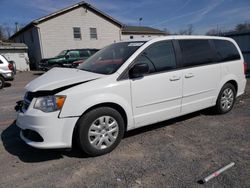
{"x":17,"y":27}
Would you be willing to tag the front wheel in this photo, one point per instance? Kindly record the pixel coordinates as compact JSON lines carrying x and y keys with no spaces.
{"x":226,"y":99}
{"x":100,"y":131}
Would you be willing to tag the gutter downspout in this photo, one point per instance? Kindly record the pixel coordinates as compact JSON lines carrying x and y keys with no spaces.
{"x":40,"y":41}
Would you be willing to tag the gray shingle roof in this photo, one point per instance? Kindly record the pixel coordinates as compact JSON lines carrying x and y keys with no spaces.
{"x":141,"y":30}
{"x":6,"y":45}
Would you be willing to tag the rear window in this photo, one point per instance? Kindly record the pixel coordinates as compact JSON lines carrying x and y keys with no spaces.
{"x":196,"y":52}
{"x":84,"y":53}
{"x":226,"y":50}
{"x":74,"y":54}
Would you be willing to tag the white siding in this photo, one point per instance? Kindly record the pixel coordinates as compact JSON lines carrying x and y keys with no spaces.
{"x":57,"y":33}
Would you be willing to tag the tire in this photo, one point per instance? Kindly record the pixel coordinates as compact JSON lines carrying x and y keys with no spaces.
{"x":95,"y":137}
{"x":2,"y":82}
{"x":226,"y":99}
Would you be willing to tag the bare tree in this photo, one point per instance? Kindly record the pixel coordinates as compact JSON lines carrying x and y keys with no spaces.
{"x":2,"y":33}
{"x":188,"y":31}
{"x":167,"y":31}
{"x":214,"y":32}
{"x":9,"y":31}
{"x":242,"y":27}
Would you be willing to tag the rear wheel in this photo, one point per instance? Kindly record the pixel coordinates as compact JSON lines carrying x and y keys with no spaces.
{"x":2,"y":82}
{"x":100,"y":131}
{"x":226,"y":99}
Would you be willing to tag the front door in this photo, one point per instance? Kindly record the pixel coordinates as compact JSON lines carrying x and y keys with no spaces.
{"x":157,"y":95}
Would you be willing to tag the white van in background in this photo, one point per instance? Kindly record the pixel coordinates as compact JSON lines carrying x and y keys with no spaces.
{"x":127,"y":85}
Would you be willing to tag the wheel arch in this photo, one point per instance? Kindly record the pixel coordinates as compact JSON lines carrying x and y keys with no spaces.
{"x":113,"y":105}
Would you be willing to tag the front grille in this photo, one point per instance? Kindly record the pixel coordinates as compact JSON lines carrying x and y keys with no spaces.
{"x":32,"y":135}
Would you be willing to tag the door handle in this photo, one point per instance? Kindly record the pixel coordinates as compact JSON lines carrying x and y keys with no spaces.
{"x":175,"y":78}
{"x":189,"y":75}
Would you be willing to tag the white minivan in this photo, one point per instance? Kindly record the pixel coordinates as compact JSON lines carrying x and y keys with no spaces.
{"x":127,"y":85}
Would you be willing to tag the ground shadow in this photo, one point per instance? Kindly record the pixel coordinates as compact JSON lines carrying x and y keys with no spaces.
{"x":38,"y":73}
{"x":15,"y":146}
{"x":7,"y":84}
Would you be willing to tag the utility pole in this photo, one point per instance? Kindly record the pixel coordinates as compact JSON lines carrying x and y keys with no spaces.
{"x":17,"y":26}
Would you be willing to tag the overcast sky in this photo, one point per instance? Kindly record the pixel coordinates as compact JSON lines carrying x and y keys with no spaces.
{"x":171,"y":14}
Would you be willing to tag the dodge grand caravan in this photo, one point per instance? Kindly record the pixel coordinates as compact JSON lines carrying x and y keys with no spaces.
{"x":127,"y":85}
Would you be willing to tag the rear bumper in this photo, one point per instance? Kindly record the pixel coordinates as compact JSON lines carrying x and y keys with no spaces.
{"x":55,"y":132}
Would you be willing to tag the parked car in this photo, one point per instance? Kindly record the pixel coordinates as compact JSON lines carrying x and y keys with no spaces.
{"x":129,"y":85}
{"x":6,"y":71}
{"x":66,"y":58}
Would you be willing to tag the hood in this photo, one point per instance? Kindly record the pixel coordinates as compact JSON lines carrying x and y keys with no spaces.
{"x":60,"y":77}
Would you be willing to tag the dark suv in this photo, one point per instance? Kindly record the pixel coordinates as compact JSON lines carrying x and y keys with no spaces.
{"x":66,"y":58}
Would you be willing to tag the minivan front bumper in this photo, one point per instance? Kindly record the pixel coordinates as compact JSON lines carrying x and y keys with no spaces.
{"x":53,"y":132}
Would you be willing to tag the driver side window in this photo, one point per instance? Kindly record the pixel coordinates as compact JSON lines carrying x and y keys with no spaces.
{"x":143,"y":59}
{"x":159,"y":56}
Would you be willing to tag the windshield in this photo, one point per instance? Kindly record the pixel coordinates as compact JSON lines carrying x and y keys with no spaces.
{"x":109,"y":59}
{"x":62,"y":53}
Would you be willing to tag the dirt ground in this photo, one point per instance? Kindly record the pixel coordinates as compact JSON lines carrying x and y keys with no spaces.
{"x":174,"y":153}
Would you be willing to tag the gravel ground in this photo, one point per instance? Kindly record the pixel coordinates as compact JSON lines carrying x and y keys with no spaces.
{"x":174,"y":153}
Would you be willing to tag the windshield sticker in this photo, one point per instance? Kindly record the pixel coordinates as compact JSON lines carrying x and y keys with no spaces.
{"x":135,"y":44}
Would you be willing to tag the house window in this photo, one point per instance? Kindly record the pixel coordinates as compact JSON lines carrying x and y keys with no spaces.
{"x":77,"y":33}
{"x":131,"y":37}
{"x":93,"y":33}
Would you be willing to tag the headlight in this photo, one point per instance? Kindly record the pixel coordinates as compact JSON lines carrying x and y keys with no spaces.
{"x":49,"y":103}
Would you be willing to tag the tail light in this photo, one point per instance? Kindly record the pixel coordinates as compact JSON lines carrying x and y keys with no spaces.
{"x":245,"y":68}
{"x":11,"y":67}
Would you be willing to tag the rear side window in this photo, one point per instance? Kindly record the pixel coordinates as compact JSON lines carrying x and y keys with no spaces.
{"x":196,"y":52}
{"x":84,"y":53}
{"x":226,"y":50}
{"x":73,"y":54}
{"x":160,"y":56}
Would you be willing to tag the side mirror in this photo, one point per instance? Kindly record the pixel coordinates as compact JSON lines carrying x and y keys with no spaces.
{"x":138,"y":70}
{"x":67,"y":56}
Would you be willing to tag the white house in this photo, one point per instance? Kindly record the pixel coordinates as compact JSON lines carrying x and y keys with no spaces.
{"x":78,"y":26}
{"x":17,"y":52}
